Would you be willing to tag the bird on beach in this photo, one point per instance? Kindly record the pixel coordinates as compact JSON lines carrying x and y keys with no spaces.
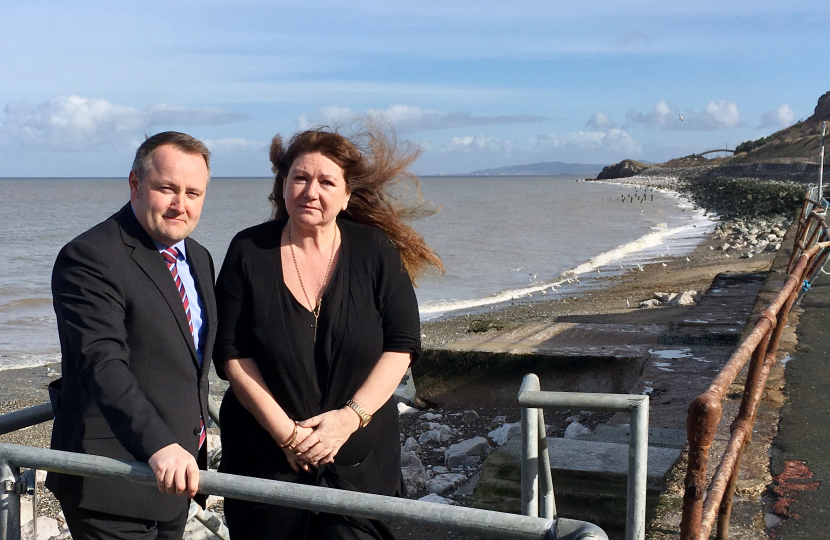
{"x":626,"y":303}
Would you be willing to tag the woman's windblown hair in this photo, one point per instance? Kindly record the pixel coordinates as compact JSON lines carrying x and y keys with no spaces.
{"x":372,"y":163}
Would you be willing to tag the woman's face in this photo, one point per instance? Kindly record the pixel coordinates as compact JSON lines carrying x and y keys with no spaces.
{"x":315,"y":190}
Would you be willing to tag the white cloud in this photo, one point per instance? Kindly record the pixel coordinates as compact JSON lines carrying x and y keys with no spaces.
{"x":233,"y":143}
{"x":409,"y":119}
{"x":600,"y":121}
{"x":781,"y":117}
{"x":74,"y":123}
{"x":717,"y":115}
{"x":615,"y":141}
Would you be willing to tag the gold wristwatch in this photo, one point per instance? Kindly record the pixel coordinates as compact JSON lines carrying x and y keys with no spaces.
{"x":365,"y":417}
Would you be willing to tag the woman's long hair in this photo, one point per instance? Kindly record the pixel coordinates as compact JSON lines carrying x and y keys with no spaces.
{"x":372,"y":162}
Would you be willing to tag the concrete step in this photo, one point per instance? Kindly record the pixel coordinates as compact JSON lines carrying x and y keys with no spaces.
{"x":657,"y":437}
{"x":589,"y":477}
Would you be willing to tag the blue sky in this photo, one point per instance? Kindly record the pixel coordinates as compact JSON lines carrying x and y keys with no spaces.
{"x":475,"y":84}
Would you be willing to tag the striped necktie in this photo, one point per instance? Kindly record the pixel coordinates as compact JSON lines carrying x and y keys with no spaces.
{"x":171,"y":257}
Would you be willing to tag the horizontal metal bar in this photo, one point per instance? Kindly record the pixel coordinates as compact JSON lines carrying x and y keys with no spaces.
{"x":24,"y":418}
{"x":583,"y":400}
{"x":469,"y":520}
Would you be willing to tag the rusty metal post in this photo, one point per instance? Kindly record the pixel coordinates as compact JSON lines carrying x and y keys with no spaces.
{"x":725,"y":510}
{"x":704,"y":416}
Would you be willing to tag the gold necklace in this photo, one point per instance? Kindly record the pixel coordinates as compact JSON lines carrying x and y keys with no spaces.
{"x":316,"y":310}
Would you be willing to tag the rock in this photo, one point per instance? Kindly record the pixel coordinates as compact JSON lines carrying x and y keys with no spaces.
{"x":747,"y":255}
{"x":428,"y":416}
{"x":623,"y":169}
{"x":414,"y":475}
{"x":686,"y":298}
{"x":438,"y":469}
{"x":456,"y":455}
{"x":478,"y":326}
{"x":574,"y":418}
{"x":403,"y":408}
{"x":822,"y":111}
{"x":433,"y":498}
{"x":444,"y":483}
{"x":472,"y":461}
{"x":46,"y":528}
{"x":412,"y":445}
{"x":469,"y":416}
{"x":504,"y":432}
{"x":405,"y":392}
{"x":576,"y":429}
{"x":649,"y":303}
{"x":214,"y":450}
{"x":499,"y":420}
{"x":437,"y":435}
{"x":664,"y":297}
{"x":195,"y":530}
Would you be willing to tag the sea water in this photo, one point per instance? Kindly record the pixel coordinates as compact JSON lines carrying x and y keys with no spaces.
{"x":500,"y":238}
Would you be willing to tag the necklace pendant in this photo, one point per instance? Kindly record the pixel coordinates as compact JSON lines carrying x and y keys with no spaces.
{"x":315,"y":329}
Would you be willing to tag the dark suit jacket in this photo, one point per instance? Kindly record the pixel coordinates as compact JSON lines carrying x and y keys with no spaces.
{"x":131,"y":380}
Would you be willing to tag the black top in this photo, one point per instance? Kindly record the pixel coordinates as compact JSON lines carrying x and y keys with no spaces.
{"x":369,"y":307}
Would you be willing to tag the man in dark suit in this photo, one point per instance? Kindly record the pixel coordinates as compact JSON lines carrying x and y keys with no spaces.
{"x":137,"y":319}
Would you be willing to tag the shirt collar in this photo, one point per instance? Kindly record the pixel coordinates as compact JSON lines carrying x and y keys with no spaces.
{"x":178,"y":245}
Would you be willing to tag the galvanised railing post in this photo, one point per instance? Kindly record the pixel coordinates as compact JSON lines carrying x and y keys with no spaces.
{"x":530,"y":451}
{"x":9,"y":502}
{"x":637,"y":406}
{"x":637,"y":471}
{"x":547,"y":502}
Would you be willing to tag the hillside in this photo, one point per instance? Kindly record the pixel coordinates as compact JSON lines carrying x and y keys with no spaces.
{"x":543,"y":168}
{"x":799,"y":142}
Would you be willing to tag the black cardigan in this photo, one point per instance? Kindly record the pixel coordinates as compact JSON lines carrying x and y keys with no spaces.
{"x":376,"y":312}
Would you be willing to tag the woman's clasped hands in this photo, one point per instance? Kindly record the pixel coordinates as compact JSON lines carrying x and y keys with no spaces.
{"x":320,"y":438}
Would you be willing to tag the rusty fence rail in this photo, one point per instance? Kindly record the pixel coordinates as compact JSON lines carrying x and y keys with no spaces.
{"x":704,"y":505}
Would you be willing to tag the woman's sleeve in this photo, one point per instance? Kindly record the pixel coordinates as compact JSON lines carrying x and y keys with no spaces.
{"x":397,"y":304}
{"x":233,"y":300}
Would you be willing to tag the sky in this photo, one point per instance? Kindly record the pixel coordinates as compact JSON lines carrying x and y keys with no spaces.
{"x":475,"y":85}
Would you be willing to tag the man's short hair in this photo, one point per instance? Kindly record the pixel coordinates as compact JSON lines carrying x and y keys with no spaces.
{"x":181,"y":141}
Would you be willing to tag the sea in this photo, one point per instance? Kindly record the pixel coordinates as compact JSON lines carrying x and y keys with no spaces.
{"x":502,"y":239}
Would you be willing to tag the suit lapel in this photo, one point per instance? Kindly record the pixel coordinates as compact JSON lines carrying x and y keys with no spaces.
{"x":200,"y":267}
{"x":147,"y":257}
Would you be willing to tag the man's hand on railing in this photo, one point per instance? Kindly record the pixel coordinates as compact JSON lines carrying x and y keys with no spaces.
{"x":176,"y":471}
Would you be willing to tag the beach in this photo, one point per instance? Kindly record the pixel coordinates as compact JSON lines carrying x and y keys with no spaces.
{"x":609,"y":297}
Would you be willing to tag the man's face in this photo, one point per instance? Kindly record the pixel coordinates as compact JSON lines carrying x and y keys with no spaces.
{"x":168,"y":200}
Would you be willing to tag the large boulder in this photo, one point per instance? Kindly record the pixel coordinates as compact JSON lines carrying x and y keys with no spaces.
{"x":46,"y":528}
{"x":457,"y":454}
{"x":414,"y":474}
{"x":442,"y":484}
{"x":623,"y":169}
{"x":504,"y":432}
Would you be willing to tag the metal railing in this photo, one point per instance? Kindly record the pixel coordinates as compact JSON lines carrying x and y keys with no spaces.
{"x":702,"y":506}
{"x":537,"y":485}
{"x":319,"y":499}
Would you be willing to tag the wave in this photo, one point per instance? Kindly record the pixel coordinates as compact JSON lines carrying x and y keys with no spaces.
{"x":643,"y":244}
{"x":28,"y":361}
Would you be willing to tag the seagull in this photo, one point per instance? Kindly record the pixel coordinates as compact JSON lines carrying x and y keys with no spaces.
{"x":626,"y":303}
{"x":664,"y":264}
{"x":687,"y":259}
{"x":520,"y":268}
{"x":680,"y":116}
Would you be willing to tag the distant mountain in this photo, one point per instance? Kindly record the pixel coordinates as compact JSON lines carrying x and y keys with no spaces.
{"x":543,"y":168}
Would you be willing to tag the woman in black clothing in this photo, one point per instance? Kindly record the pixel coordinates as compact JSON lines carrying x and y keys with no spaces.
{"x":318,"y":322}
